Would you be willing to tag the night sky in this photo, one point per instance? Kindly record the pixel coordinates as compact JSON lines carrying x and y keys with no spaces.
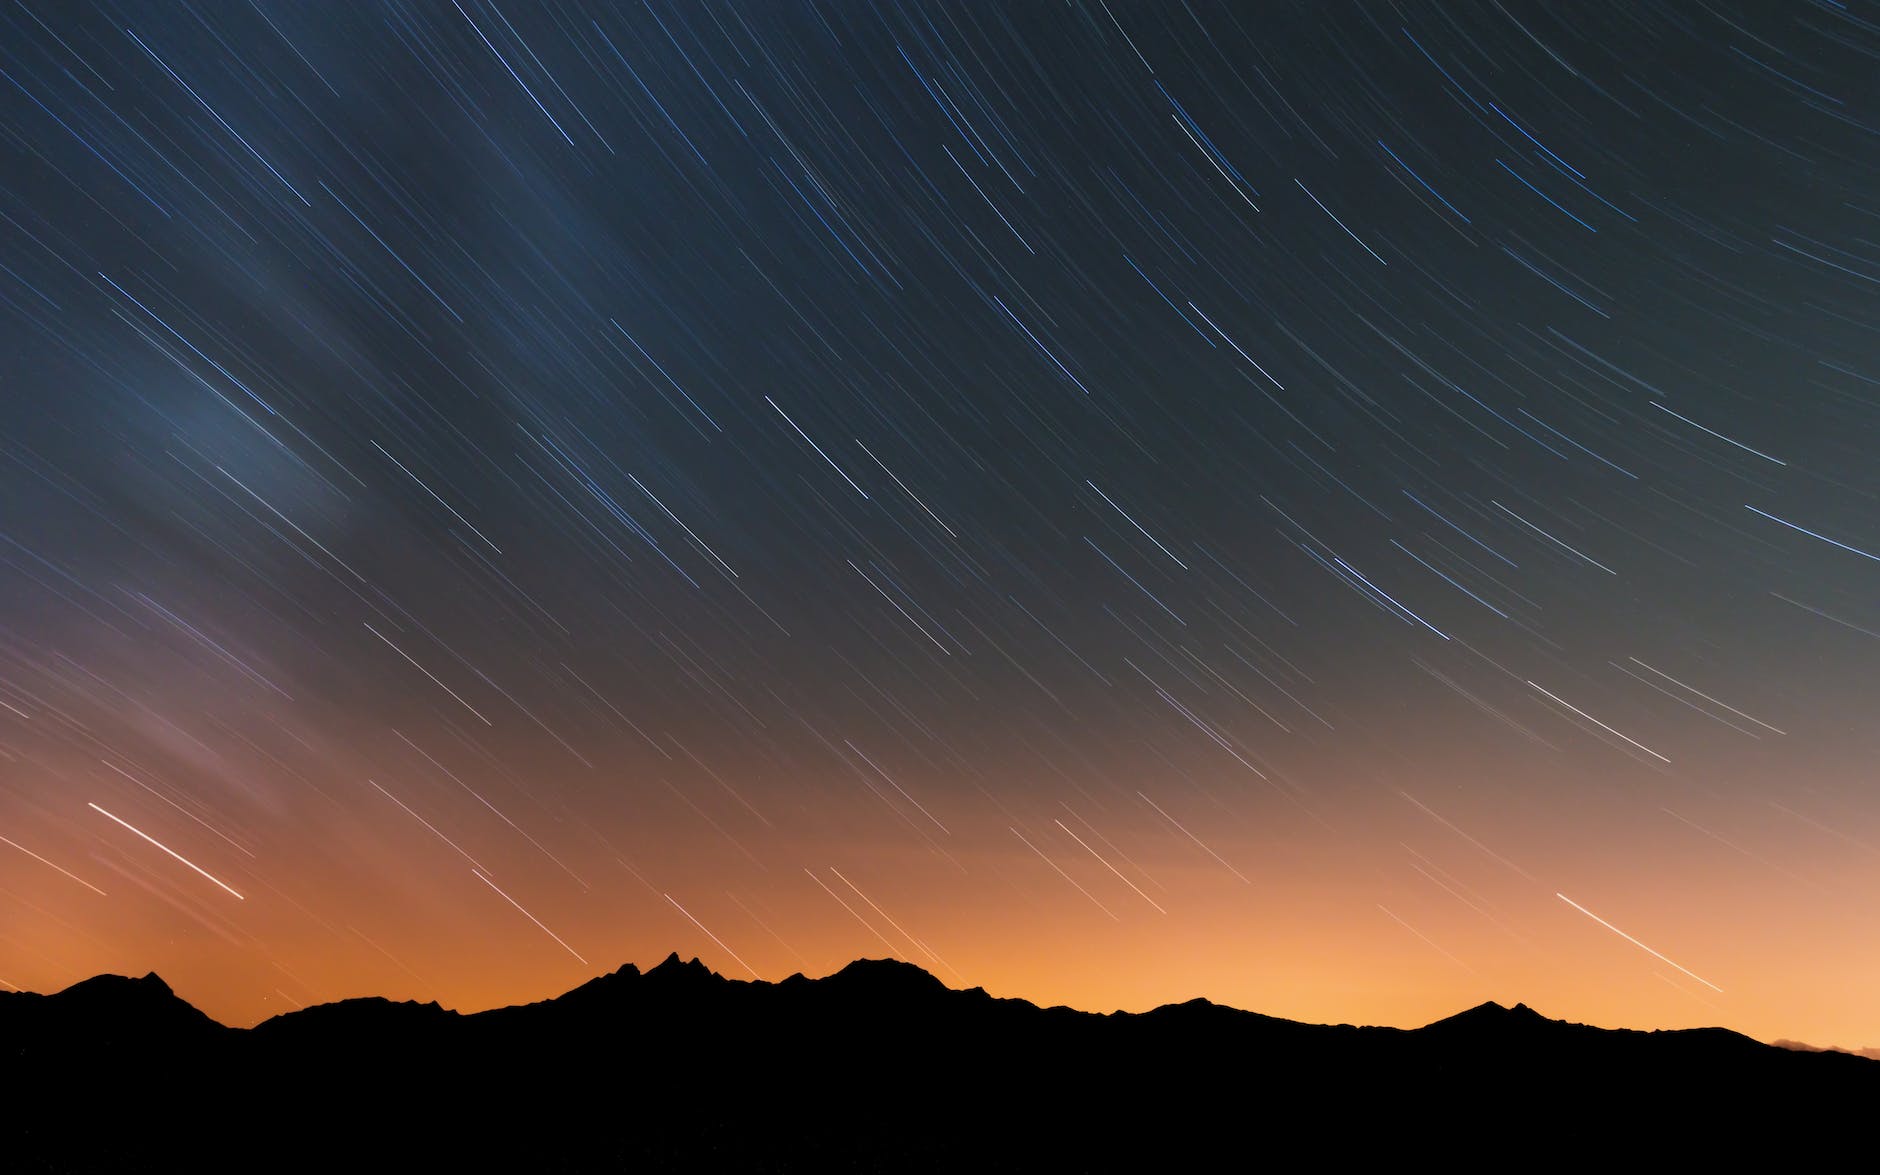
{"x":1350,"y":511}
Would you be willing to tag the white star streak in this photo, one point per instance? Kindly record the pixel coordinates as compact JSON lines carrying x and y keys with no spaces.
{"x":35,"y":856}
{"x":1635,"y":942}
{"x":1708,"y":698}
{"x":1465,"y":836}
{"x":1713,"y":432}
{"x":1550,"y":538}
{"x":818,"y":448}
{"x":903,"y":485}
{"x":446,"y":505}
{"x":1426,"y":938}
{"x":421,"y":669}
{"x":892,"y":950}
{"x":1145,"y":534}
{"x":708,"y":934}
{"x":1338,"y":222}
{"x":1060,"y":869}
{"x":897,"y":787}
{"x":921,"y":946}
{"x":1099,"y":856}
{"x":166,"y":848}
{"x":1609,"y":730}
{"x":1814,"y":535}
{"x":1191,"y":836}
{"x":421,"y":820}
{"x":531,"y":917}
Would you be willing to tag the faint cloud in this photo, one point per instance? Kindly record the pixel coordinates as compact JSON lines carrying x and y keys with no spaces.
{"x":1872,"y":1054}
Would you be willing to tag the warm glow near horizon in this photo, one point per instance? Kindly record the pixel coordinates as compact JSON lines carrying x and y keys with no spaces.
{"x":1307,"y":925}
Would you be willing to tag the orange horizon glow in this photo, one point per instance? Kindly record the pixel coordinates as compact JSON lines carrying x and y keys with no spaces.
{"x":1304,"y":925}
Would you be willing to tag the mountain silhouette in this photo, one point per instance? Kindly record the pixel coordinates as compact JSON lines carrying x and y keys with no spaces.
{"x":878,"y":1067}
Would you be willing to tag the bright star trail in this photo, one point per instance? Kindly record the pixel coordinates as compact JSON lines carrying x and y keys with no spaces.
{"x":1635,"y":942}
{"x":769,"y":453}
{"x":186,"y":862}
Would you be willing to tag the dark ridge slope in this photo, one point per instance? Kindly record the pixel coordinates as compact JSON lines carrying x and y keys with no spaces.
{"x":877,"y":1067}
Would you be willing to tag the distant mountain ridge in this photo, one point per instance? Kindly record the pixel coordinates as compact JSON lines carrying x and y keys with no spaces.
{"x":879,"y":1066}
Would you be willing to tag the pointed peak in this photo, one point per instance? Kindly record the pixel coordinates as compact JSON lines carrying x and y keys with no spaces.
{"x":611,"y":981}
{"x":120,"y":999}
{"x":673,"y":968}
{"x":1490,"y":1013}
{"x":148,"y":987}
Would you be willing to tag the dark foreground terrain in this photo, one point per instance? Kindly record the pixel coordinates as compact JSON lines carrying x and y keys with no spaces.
{"x":880,"y":1067}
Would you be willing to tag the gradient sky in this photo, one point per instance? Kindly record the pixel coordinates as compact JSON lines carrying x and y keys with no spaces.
{"x":1351,"y":511}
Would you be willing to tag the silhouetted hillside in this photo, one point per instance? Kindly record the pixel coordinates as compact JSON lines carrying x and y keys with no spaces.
{"x":877,"y":1067}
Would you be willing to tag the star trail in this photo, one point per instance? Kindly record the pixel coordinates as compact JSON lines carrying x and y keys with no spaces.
{"x":1109,"y":502}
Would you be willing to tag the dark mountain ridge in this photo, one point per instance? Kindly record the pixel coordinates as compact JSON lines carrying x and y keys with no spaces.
{"x":879,"y":1066}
